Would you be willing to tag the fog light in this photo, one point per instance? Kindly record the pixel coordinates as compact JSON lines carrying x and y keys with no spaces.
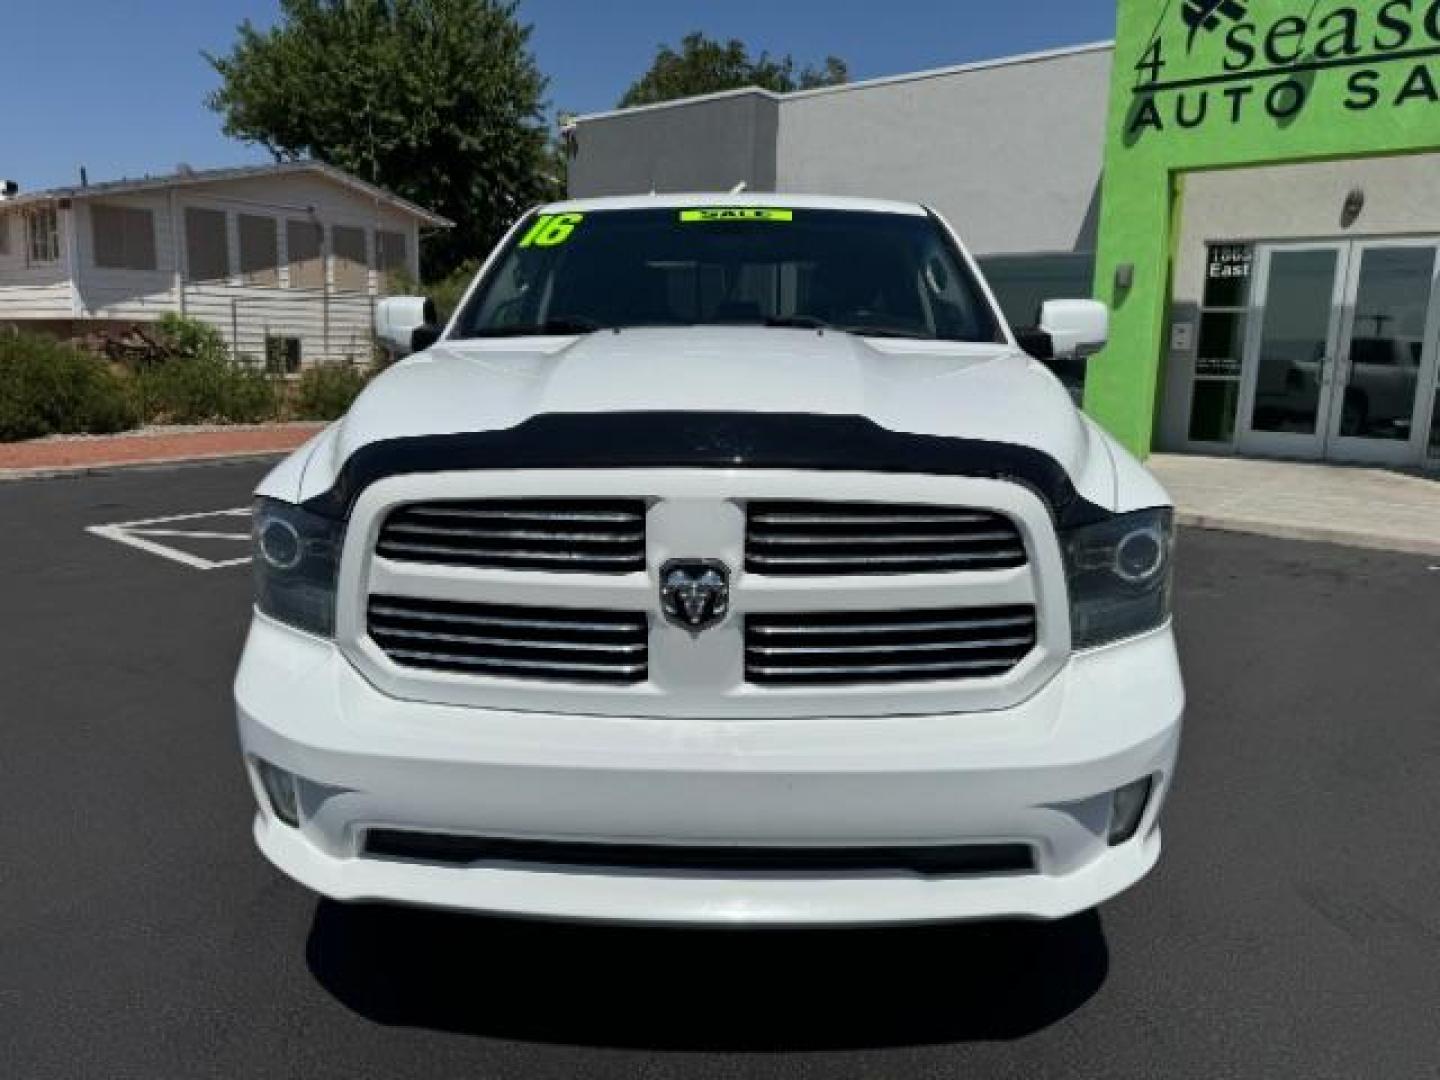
{"x":1127,"y":810}
{"x":280,"y":786}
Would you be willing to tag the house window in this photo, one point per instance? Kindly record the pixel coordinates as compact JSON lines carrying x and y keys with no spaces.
{"x":282,"y":355}
{"x":390,"y":257}
{"x":305,"y":253}
{"x":123,"y":237}
{"x":4,"y":234}
{"x":352,"y":267}
{"x":42,"y":235}
{"x":259,"y":250}
{"x":207,"y":247}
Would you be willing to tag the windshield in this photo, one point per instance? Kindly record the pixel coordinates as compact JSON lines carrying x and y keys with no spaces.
{"x":875,"y":274}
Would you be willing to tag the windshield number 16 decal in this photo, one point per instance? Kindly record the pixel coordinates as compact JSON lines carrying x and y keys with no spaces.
{"x":551,"y":230}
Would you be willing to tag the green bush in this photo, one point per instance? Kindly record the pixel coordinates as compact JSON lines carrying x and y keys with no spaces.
{"x":196,"y":382}
{"x":325,"y":391}
{"x":447,"y":292}
{"x":450,"y":290}
{"x":204,"y":390}
{"x":191,"y":339}
{"x":48,"y":388}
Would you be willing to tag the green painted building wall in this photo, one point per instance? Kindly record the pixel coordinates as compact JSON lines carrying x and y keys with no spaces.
{"x":1208,"y":84}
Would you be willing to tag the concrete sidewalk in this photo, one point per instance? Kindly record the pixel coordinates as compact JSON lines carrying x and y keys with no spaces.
{"x":64,"y":454}
{"x":1361,"y":507}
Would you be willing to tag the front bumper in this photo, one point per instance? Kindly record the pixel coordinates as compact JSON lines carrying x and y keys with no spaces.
{"x":1040,"y":774}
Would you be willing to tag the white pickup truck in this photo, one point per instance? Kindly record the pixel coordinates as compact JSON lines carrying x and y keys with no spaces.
{"x":724,"y":560}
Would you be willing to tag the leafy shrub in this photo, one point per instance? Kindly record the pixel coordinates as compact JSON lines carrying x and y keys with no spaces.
{"x":49,"y":388}
{"x":196,"y":382}
{"x":450,"y":290}
{"x":204,"y":390}
{"x":447,"y":292}
{"x":189,"y":338}
{"x":325,"y":391}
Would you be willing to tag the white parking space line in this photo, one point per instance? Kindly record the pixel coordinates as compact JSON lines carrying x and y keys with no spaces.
{"x":146,"y":535}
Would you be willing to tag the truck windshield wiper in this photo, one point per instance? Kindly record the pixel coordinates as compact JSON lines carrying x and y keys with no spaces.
{"x":797,"y":322}
{"x":884,"y":331}
{"x":810,"y":322}
{"x":570,"y":324}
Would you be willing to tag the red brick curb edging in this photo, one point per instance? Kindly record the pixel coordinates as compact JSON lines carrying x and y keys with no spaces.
{"x":157,"y":446}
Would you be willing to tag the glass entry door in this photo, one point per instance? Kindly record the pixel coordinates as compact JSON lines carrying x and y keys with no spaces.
{"x":1341,"y":356}
{"x":1384,"y":368}
{"x":1299,"y":297}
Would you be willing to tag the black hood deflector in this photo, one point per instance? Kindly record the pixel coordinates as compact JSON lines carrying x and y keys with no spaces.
{"x":658,"y":440}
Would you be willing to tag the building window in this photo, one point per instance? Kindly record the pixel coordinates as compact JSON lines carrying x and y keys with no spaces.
{"x":1220,"y":351}
{"x":207,"y":247}
{"x":282,"y":355}
{"x":4,"y":234}
{"x":352,"y":266}
{"x":390,"y":258}
{"x":42,"y":235}
{"x":123,"y":237}
{"x":259,"y":249}
{"x":305,"y":252}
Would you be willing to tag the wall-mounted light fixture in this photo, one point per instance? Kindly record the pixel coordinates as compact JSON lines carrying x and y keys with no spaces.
{"x":1353,"y":208}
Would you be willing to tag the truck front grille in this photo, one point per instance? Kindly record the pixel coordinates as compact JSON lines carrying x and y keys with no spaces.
{"x":820,"y":538}
{"x":585,"y":536}
{"x":887,"y":646}
{"x":489,"y":640}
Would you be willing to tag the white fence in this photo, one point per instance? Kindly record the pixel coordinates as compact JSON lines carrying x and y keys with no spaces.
{"x":308,"y":329}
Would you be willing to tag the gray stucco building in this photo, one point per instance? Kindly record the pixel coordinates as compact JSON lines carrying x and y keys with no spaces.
{"x":1010,"y":151}
{"x":1273,"y":275}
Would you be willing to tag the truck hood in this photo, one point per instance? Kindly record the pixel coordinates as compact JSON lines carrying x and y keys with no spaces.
{"x":976,"y":392}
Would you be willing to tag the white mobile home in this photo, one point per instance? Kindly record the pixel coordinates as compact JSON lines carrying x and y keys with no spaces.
{"x":284,"y":260}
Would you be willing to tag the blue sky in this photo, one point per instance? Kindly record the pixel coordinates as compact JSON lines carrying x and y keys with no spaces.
{"x":119,"y":85}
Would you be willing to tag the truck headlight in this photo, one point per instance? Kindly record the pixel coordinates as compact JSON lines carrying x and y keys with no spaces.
{"x":1119,"y":573}
{"x":297,"y":558}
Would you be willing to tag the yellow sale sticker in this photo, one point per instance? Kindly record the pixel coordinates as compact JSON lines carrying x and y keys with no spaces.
{"x":737,"y":213}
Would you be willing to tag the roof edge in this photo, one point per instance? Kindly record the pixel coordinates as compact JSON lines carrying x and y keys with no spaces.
{"x":199,"y":177}
{"x":673,"y":103}
{"x":862,"y":84}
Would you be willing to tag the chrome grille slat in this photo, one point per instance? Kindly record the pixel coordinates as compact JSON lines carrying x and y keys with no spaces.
{"x":835,"y":539}
{"x":520,"y":534}
{"x":927,"y":559}
{"x":892,"y":538}
{"x":541,"y":667}
{"x":620,"y":517}
{"x":491,"y":620}
{"x":389,"y":548}
{"x":830,"y":648}
{"x":956,"y":517}
{"x":561,"y":644}
{"x":882,"y":628}
{"x":509,"y":643}
{"x":598,"y":536}
{"x":957,"y":667}
{"x":896,"y":647}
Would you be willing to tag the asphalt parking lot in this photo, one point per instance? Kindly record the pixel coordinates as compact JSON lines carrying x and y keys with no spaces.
{"x":1292,"y":928}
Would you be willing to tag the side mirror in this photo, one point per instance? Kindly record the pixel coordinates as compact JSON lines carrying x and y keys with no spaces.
{"x":1076,"y":329}
{"x":407,"y":324}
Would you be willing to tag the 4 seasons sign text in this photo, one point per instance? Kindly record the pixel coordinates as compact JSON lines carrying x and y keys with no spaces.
{"x":1233,"y":63}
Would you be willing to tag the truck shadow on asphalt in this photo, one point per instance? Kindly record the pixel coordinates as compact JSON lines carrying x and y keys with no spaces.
{"x":705,"y":989}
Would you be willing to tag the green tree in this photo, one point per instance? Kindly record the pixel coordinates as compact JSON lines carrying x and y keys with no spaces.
{"x":438,"y":100}
{"x":704,"y":65}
